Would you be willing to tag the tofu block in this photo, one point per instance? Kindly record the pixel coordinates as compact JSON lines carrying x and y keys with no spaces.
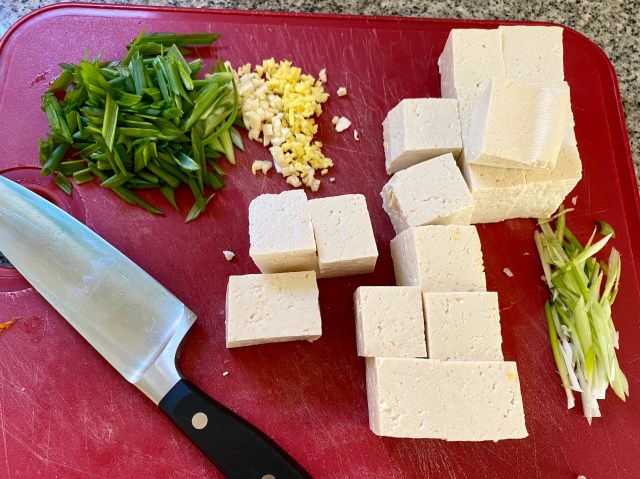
{"x":389,"y":322}
{"x":533,"y":53}
{"x":518,"y":125}
{"x":463,"y":326}
{"x":470,"y":57}
{"x":419,"y":129}
{"x":495,"y":191}
{"x":545,"y":190}
{"x":439,"y":258}
{"x":272,"y":308}
{"x":433,"y":192}
{"x":280,"y":233}
{"x":451,"y":400}
{"x":344,"y":235}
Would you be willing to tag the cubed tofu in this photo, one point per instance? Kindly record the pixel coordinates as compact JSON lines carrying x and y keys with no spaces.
{"x":419,"y":129}
{"x":389,"y":322}
{"x":451,"y":400}
{"x":344,"y":235}
{"x":545,"y":190}
{"x":518,"y":125}
{"x":532,"y":53}
{"x":439,"y":258}
{"x":463,"y":326}
{"x":495,"y":191}
{"x":280,"y":233}
{"x":271,"y":308}
{"x":470,"y":57}
{"x":433,"y":192}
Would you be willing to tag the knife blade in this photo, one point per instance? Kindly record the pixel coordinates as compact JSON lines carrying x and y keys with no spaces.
{"x":135,"y":323}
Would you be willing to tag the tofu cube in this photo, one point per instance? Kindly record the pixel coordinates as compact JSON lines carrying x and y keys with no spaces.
{"x":518,"y":125}
{"x":433,"y":192}
{"x":463,"y":326}
{"x":451,"y":400}
{"x":280,"y":233}
{"x":533,"y":53}
{"x":545,"y":190}
{"x":344,"y":235}
{"x":419,"y":129}
{"x":470,"y":57}
{"x":495,"y":191}
{"x":272,"y":308}
{"x":389,"y":322}
{"x":439,"y":258}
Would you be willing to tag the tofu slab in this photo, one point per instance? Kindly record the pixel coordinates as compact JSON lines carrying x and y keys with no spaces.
{"x":463,"y":326}
{"x":533,"y":53}
{"x":419,"y":129}
{"x":470,"y":57}
{"x":518,"y":125}
{"x":344,"y":235}
{"x":433,"y":192}
{"x":389,"y":322}
{"x":439,"y":258}
{"x":271,"y":308}
{"x":280,"y":233}
{"x":450,"y":400}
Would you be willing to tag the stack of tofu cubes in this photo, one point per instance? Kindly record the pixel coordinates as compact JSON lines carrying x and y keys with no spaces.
{"x":293,"y":241}
{"x":432,"y":344}
{"x":504,"y":116}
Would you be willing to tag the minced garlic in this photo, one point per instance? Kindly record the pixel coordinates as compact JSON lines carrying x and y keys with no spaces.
{"x":279,"y":105}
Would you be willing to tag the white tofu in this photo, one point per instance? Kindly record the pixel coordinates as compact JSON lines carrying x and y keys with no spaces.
{"x":495,"y":191}
{"x":533,"y":53}
{"x":545,"y":190}
{"x":433,"y":192}
{"x":344,"y":235}
{"x":470,"y":57}
{"x":418,"y":129}
{"x":389,"y":322}
{"x":451,"y":400}
{"x":518,"y":125}
{"x":280,"y":233}
{"x":463,"y":326}
{"x":271,"y":308}
{"x":439,"y":258}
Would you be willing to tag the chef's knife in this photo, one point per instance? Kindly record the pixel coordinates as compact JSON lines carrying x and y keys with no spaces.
{"x":134,"y":323}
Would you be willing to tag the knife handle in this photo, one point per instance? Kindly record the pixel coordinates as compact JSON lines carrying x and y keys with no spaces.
{"x":237,"y":448}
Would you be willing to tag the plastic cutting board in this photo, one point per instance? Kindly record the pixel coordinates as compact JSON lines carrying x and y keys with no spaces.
{"x":65,"y":413}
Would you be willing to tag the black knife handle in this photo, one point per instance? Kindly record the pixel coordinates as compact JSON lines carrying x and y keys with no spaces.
{"x":237,"y":448}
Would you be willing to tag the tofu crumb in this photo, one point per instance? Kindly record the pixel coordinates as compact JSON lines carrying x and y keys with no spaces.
{"x":334,"y":120}
{"x":229,"y":255}
{"x":508,"y":272}
{"x":356,"y":135}
{"x":342,"y":124}
{"x":226,"y":373}
{"x":322,"y":75}
{"x":574,"y":200}
{"x":342,"y":91}
{"x":332,"y":179}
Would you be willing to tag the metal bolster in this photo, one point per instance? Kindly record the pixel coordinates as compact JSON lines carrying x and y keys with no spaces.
{"x":163,"y":374}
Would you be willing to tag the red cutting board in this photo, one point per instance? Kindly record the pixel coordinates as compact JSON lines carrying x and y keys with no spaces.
{"x":65,"y":413}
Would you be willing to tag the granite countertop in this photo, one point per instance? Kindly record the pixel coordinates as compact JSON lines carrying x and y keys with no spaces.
{"x":611,"y":24}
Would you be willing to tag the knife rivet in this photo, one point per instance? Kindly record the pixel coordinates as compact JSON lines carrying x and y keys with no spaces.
{"x":199,"y":420}
{"x":268,"y":476}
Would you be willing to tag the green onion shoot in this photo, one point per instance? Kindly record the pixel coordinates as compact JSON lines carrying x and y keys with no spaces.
{"x":581,"y":330}
{"x":144,"y":122}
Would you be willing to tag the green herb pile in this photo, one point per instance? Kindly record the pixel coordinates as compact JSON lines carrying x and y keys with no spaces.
{"x":143,"y":122}
{"x":583,"y":289}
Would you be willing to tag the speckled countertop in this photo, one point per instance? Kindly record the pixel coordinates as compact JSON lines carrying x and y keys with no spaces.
{"x":613,"y":24}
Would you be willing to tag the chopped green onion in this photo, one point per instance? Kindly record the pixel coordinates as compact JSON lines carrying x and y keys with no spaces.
{"x":143,"y":122}
{"x":583,"y":337}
